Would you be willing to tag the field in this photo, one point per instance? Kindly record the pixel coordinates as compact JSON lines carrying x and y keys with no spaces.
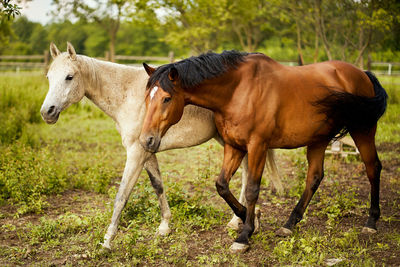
{"x":58,"y":182}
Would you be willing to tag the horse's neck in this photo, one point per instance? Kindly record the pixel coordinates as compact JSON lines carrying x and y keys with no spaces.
{"x":111,"y":86}
{"x":212,"y":94}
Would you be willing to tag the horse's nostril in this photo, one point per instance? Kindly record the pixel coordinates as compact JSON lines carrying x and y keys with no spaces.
{"x":150,"y":141}
{"x":51,"y":110}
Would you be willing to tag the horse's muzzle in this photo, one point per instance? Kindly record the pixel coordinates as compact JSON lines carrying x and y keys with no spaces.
{"x":50,"y":114}
{"x":150,"y":142}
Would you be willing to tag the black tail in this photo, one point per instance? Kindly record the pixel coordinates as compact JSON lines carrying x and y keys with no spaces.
{"x":348,"y":112}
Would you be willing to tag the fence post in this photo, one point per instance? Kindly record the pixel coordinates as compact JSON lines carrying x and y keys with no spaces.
{"x":107,"y":55}
{"x":46,"y":59}
{"x":390,"y":69}
{"x":171,"y":56}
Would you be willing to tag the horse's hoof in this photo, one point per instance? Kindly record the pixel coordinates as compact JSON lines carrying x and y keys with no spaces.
{"x":239,"y":248}
{"x":283,"y":232}
{"x":234,"y":223}
{"x":105,"y":248}
{"x":163,"y":231}
{"x":106,"y":244}
{"x":257,"y":220}
{"x":368,"y":231}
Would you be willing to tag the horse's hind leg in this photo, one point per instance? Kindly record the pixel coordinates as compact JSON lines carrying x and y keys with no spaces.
{"x":315,"y":174}
{"x":366,"y":145}
{"x":153,"y":171}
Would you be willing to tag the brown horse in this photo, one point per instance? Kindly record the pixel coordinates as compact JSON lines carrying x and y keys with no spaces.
{"x":261,"y":104}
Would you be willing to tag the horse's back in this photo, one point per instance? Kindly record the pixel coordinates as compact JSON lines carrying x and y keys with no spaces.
{"x":340,"y":76}
{"x":287,"y":97}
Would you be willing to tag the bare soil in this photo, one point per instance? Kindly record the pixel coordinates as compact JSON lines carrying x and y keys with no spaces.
{"x":199,"y":242}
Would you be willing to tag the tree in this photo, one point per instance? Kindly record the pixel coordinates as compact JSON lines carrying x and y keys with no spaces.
{"x":106,"y":13}
{"x":8,"y":11}
{"x":250,"y":21}
{"x":349,"y":27}
{"x":196,"y":25}
{"x":76,"y":33}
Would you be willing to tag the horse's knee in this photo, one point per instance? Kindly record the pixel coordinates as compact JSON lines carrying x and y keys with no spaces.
{"x":222,"y":187}
{"x":156,"y":183}
{"x":252,"y":191}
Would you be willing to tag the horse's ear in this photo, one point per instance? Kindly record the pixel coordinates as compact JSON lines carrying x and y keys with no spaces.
{"x":54,"y":52}
{"x":71,"y":51}
{"x":173,"y":74}
{"x":148,"y":69}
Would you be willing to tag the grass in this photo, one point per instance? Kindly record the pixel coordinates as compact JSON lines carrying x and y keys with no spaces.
{"x":58,"y":182}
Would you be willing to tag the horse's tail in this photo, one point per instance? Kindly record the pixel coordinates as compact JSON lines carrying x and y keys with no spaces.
{"x":273,"y":171}
{"x":349,"y":112}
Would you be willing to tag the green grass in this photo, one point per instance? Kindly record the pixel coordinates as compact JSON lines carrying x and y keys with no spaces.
{"x":58,"y":182}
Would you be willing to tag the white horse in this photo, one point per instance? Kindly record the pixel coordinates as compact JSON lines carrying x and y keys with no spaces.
{"x":119,"y":91}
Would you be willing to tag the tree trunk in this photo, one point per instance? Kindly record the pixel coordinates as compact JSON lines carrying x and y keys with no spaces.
{"x":112,"y":46}
{"x":114,"y":27}
{"x":299,"y":50}
{"x":316,"y":28}
{"x":321,"y":27}
{"x":361,"y":48}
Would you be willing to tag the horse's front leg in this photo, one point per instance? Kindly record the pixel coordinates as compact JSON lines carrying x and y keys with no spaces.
{"x":136,"y":157}
{"x":236,"y":221}
{"x":151,"y":166}
{"x":232,"y":159}
{"x":256,"y":161}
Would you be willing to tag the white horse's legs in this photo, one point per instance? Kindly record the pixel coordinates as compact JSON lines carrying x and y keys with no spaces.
{"x":151,"y":166}
{"x":134,"y":165}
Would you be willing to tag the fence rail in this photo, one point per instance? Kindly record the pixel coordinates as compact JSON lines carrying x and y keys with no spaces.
{"x":389,"y":65}
{"x":18,"y":62}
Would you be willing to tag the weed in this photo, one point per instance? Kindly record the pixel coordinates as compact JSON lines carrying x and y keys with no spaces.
{"x":336,"y":204}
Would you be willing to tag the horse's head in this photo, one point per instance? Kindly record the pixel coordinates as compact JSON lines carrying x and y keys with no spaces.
{"x":65,"y":85}
{"x":165,"y":102}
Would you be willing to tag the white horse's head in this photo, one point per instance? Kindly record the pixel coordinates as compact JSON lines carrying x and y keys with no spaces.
{"x":65,"y":83}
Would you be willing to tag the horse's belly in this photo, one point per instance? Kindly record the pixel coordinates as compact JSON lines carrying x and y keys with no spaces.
{"x":304,"y":134}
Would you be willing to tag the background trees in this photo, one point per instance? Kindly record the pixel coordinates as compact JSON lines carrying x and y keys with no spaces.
{"x":316,"y":30}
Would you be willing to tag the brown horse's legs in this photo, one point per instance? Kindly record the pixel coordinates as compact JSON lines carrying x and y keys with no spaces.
{"x":232,"y":160}
{"x":257,"y":157}
{"x":315,"y":174}
{"x":366,"y":145}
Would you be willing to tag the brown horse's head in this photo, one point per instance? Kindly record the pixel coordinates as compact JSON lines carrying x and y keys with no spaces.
{"x":165,"y":103}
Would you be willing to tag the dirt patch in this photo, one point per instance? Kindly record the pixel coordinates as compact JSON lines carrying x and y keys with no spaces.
{"x":202,"y":244}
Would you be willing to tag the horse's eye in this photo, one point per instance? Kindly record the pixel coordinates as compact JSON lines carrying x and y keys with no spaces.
{"x":167,"y":99}
{"x":69,"y":77}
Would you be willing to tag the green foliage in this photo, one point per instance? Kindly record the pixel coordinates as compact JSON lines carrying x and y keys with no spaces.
{"x":313,"y":248}
{"x":26,"y":176}
{"x":18,"y":109}
{"x":8,"y":10}
{"x":29,"y":171}
{"x":336,"y":204}
{"x":137,"y":38}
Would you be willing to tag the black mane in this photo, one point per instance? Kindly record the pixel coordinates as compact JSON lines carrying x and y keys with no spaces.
{"x":194,"y":70}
